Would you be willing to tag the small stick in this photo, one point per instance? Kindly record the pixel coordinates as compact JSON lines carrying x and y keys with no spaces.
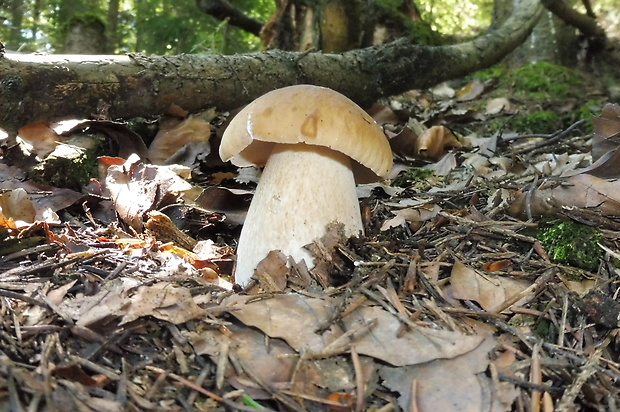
{"x":359,"y":380}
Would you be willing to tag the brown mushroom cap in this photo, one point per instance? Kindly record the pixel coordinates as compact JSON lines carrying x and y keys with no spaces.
{"x":307,"y":114}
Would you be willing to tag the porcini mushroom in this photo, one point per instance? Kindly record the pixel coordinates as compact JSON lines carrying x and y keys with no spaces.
{"x":315,"y":145}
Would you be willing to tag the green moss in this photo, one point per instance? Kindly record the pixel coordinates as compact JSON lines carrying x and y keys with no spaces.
{"x":495,"y":72}
{"x":413,"y":176}
{"x":419,"y":32}
{"x":72,"y":164}
{"x":537,"y":122}
{"x":585,"y":112}
{"x":543,"y":80}
{"x":544,"y":329}
{"x":572,"y":243}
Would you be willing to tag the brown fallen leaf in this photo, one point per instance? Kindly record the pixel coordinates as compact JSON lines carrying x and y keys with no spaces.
{"x":606,"y":131}
{"x":497,"y":105}
{"x":272,"y":272}
{"x":470,"y":91}
{"x":233,"y":203}
{"x":163,"y":301}
{"x":192,"y":134}
{"x":39,"y":138}
{"x":497,"y":265}
{"x":383,"y":114}
{"x":16,"y":206}
{"x":582,"y":191}
{"x":136,"y":188}
{"x":274,"y":363}
{"x":489,"y":290}
{"x":416,"y":214}
{"x":433,"y":143}
{"x":124,"y":298}
{"x":456,"y":384}
{"x":380,"y":333}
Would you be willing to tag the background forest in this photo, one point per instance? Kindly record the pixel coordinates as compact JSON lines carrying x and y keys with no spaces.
{"x":174,"y":27}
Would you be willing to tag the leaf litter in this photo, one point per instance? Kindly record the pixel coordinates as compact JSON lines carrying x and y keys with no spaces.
{"x":121,"y":297}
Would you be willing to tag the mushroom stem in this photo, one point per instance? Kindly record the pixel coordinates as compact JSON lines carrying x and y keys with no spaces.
{"x":303,"y":188}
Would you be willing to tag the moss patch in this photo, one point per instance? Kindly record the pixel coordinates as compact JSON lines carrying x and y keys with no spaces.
{"x":543,"y":80}
{"x":572,"y":243}
{"x":543,"y":121}
{"x":72,"y":164}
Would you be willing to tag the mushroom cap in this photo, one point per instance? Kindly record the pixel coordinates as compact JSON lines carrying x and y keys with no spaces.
{"x":312,"y":115}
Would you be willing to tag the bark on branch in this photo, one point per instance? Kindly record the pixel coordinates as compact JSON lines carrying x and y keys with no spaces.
{"x":583,"y":22}
{"x":37,"y":87}
{"x":223,"y":10}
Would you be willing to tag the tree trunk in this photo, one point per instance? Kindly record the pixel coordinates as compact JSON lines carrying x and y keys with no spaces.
{"x":17,"y":17}
{"x":112,"y":26}
{"x":35,"y":87}
{"x":337,"y":25}
{"x":85,"y":36}
{"x":552,"y":40}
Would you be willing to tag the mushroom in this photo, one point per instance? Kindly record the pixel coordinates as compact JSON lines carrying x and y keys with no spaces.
{"x":315,"y":145}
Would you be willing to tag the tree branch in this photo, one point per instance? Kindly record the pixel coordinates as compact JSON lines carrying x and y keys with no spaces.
{"x":223,"y":10}
{"x":583,"y":22}
{"x":37,"y":87}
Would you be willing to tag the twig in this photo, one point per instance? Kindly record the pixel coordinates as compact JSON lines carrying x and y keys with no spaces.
{"x":567,"y":402}
{"x":528,"y":385}
{"x":540,"y":282}
{"x":535,"y":378}
{"x":276,"y":394}
{"x":552,"y":139}
{"x":30,"y":251}
{"x":359,"y":380}
{"x":203,"y":391}
{"x":488,"y":227}
{"x":14,"y":295}
{"x":563,"y":321}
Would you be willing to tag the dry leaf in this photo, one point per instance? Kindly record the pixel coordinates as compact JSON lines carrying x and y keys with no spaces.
{"x":163,"y":301}
{"x":38,"y":138}
{"x":470,"y":91}
{"x":497,"y":105}
{"x":416,"y":214}
{"x":273,"y":362}
{"x":233,"y":203}
{"x":443,"y":90}
{"x":191,"y":135}
{"x":497,"y":265}
{"x":456,"y":384}
{"x":444,"y":166}
{"x":383,"y":114}
{"x":16,"y":206}
{"x":125,"y":298}
{"x":489,"y":291}
{"x":136,"y":188}
{"x":404,"y":143}
{"x":582,"y":191}
{"x":432,"y":144}
{"x":380,"y":333}
{"x":606,"y":131}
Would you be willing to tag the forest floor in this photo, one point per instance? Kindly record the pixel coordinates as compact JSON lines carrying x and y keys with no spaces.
{"x":487,"y":279}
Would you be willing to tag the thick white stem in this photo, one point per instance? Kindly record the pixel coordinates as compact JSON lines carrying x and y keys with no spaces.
{"x":303,"y":188}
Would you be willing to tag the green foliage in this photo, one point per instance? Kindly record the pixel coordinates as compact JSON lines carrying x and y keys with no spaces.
{"x":541,"y":121}
{"x":457,"y":17}
{"x":499,"y":71}
{"x":149,"y":26}
{"x":419,"y":32}
{"x":172,"y":27}
{"x":572,"y":243}
{"x":541,"y":80}
{"x":416,"y":176}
